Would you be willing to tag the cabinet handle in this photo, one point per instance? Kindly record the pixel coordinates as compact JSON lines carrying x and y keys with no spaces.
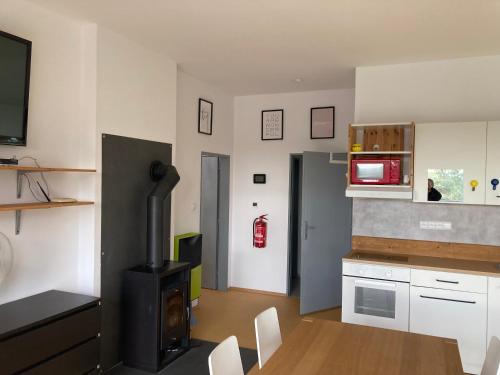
{"x":447,"y":281}
{"x":449,"y":299}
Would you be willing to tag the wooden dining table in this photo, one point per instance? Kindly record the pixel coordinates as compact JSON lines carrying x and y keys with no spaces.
{"x":318,"y":346}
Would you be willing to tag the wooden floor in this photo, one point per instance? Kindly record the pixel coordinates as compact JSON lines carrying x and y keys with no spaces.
{"x":222,"y":314}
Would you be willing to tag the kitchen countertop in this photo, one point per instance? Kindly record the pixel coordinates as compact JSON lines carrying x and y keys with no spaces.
{"x":424,"y":262}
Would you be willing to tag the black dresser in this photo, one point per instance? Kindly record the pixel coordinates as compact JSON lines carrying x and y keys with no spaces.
{"x":50,"y":333}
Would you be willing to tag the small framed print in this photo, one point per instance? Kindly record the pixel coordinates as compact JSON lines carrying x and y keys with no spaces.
{"x":205,"y":114}
{"x":259,"y":178}
{"x":272,"y":125}
{"x":322,"y":122}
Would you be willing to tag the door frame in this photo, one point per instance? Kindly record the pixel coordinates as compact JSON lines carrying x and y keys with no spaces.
{"x":290,"y":204}
{"x":222,"y":250}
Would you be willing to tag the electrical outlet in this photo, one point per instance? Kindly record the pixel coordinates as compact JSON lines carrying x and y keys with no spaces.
{"x":435,"y":225}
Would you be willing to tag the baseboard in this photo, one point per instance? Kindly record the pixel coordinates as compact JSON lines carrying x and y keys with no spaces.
{"x":257,"y":291}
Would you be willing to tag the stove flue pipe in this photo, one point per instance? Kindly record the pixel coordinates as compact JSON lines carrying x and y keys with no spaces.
{"x":166,"y":177}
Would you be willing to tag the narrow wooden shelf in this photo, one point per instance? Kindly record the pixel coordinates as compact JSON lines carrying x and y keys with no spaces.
{"x":381,"y":152}
{"x":41,"y":169}
{"x":40,"y":205}
{"x":385,"y":124}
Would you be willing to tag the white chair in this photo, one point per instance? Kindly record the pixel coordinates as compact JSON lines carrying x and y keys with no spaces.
{"x":225,"y":358}
{"x":491,"y":364}
{"x":268,"y":334}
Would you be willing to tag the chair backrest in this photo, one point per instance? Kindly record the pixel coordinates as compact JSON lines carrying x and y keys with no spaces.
{"x":225,"y":358}
{"x":268,"y":334}
{"x":491,"y":364}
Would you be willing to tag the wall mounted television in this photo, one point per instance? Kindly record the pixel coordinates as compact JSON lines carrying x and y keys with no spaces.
{"x":15,"y":63}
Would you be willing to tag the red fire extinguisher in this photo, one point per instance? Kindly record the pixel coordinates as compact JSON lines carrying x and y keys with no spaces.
{"x":260,"y":232}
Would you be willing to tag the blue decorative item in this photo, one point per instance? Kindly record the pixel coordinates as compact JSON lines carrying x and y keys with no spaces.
{"x":494,"y":182}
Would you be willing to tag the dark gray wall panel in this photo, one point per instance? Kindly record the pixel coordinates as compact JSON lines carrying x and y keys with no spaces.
{"x":125,"y":187}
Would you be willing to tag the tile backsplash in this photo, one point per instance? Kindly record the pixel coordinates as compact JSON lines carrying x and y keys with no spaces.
{"x":401,"y":219}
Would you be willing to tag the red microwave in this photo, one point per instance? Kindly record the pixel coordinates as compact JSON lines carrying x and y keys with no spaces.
{"x":384,"y":171}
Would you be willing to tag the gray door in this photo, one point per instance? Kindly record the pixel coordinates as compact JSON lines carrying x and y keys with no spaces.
{"x":223,"y":219}
{"x":208,"y":220}
{"x":326,"y":231}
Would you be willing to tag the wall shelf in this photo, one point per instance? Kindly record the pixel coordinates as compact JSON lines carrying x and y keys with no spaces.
{"x":41,"y":169}
{"x":381,"y":152}
{"x":40,"y":205}
{"x":379,"y":191}
{"x":19,"y":207}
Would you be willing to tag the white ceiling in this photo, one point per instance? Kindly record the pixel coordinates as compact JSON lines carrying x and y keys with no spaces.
{"x":261,"y":46}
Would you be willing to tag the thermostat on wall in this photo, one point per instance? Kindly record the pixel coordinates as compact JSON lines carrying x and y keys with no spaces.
{"x":259,"y":178}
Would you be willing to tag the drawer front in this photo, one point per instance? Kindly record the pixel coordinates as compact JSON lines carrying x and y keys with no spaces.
{"x":35,"y":346}
{"x":452,"y":314}
{"x":78,"y":361}
{"x":450,"y":281}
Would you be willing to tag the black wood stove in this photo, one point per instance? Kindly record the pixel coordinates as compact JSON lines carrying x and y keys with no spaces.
{"x":156,"y":304}
{"x":157,"y":312}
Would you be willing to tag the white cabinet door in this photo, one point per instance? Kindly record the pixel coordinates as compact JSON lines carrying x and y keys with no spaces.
{"x":493,"y":307}
{"x":452,"y":314}
{"x":451,"y":146}
{"x":493,"y":163}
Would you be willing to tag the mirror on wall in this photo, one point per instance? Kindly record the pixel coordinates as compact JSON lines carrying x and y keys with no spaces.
{"x":445,"y":185}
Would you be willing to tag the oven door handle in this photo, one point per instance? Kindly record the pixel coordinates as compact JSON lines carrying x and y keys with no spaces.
{"x":375,"y":284}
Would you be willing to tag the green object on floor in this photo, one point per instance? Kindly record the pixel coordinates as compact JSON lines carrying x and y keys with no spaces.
{"x":190,"y":242}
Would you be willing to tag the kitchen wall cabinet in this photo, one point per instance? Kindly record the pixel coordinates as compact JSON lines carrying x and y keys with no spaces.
{"x":445,"y":151}
{"x":450,"y":148}
{"x":493,"y":307}
{"x":493,"y":162}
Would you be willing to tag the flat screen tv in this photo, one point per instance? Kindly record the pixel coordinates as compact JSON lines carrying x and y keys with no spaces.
{"x":15,"y":62}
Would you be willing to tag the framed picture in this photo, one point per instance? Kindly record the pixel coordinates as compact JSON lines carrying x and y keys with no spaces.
{"x":272,"y":124}
{"x":322,"y":122}
{"x":205,"y":114}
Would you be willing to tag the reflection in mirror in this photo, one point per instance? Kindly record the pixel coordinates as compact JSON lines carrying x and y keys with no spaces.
{"x":445,"y":185}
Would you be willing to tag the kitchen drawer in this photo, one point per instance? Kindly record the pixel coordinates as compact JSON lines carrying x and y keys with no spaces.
{"x":452,"y":314}
{"x":77,"y":361}
{"x":34,"y":346}
{"x":449,"y":280}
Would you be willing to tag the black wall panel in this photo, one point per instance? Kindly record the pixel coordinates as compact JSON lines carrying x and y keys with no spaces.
{"x":125,"y":187}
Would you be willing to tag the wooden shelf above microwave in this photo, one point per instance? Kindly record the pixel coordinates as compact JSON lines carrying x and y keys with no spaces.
{"x":381,"y":152}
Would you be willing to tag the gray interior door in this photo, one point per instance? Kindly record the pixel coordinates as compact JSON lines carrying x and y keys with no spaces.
{"x":208,"y":220}
{"x":223,"y":229}
{"x":326,"y":231}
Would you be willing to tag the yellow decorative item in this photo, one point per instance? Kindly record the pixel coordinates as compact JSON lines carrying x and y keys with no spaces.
{"x":474,"y":184}
{"x":356,"y":147}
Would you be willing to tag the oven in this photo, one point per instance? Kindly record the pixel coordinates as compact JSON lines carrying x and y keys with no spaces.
{"x":376,"y":295}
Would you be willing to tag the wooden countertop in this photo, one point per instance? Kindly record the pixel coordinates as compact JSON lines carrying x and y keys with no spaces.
{"x":426,"y":262}
{"x":327,"y":347}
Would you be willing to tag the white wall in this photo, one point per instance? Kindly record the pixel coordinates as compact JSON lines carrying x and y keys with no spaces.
{"x":85,"y":81}
{"x":448,"y":90}
{"x":438,"y":91}
{"x":266,"y":269}
{"x":47,"y":252}
{"x":190,"y":145}
{"x":136,"y":97}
